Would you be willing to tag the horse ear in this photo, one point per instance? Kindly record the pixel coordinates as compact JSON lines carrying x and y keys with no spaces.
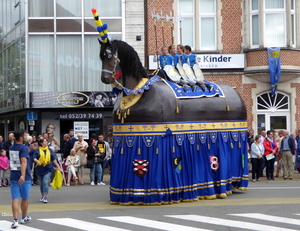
{"x":101,"y":42}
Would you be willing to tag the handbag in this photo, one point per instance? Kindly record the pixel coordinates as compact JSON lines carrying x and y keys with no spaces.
{"x":102,"y":155}
{"x":90,"y":163}
{"x":97,"y":160}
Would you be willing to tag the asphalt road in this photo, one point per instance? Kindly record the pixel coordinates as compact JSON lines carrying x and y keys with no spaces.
{"x":267,"y":205}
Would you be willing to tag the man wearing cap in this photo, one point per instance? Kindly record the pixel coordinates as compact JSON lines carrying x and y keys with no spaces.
{"x":80,"y":147}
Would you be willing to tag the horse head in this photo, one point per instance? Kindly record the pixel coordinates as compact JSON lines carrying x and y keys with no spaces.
{"x":118,"y":55}
{"x":110,"y":62}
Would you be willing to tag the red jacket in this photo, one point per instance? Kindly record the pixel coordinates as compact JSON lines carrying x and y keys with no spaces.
{"x":268,"y":146}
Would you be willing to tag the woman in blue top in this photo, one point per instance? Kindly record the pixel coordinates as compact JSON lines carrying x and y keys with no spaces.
{"x":44,"y":157}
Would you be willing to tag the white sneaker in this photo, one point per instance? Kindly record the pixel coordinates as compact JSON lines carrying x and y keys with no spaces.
{"x":92,"y":183}
{"x":101,"y":183}
{"x":25,"y":220}
{"x":14,"y":224}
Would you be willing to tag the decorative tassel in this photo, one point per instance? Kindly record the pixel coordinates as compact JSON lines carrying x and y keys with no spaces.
{"x":231,"y":145}
{"x":124,"y":115}
{"x":198,"y":147}
{"x":177,"y":110}
{"x":119,"y":116}
{"x":118,"y":112}
{"x":240,"y":145}
{"x":173,"y":149}
{"x":227,"y":108}
{"x":208,"y":146}
{"x":157,"y":151}
{"x":122,"y":120}
{"x":139,"y":151}
{"x":122,"y":151}
{"x":128,"y":111}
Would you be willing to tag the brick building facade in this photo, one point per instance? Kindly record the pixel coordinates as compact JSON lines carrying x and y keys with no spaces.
{"x":235,"y":34}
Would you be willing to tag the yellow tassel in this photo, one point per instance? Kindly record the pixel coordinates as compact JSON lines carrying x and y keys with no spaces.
{"x":122,"y":151}
{"x":231,"y":145}
{"x":118,"y":112}
{"x":208,"y":145}
{"x":122,"y":120}
{"x":240,"y":145}
{"x":139,"y":151}
{"x":227,"y":108}
{"x":173,"y":149}
{"x":124,"y":115}
{"x":157,"y":151}
{"x":128,"y":111}
{"x":198,"y":147}
{"x":119,"y":116}
{"x":177,"y":110}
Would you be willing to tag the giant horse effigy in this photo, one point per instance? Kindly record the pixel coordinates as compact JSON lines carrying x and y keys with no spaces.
{"x":171,"y":143}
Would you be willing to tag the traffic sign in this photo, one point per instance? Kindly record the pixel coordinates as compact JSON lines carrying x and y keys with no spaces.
{"x":32,"y":115}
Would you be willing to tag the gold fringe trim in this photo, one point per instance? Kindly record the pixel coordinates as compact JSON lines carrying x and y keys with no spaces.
{"x":122,"y":151}
{"x":197,"y":199}
{"x":139,"y":151}
{"x":157,"y":151}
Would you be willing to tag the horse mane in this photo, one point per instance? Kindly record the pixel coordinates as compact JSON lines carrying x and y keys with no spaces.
{"x":130,"y":63}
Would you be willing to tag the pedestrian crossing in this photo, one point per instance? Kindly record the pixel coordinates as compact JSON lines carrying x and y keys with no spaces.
{"x":194,"y":223}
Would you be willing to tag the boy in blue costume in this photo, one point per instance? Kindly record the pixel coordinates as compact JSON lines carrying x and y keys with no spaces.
{"x":181,"y":57}
{"x":191,"y":60}
{"x":165,"y":58}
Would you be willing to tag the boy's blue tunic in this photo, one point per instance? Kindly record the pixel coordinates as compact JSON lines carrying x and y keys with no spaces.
{"x":181,"y":59}
{"x":165,"y":60}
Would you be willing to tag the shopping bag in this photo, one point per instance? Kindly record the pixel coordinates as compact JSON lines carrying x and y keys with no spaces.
{"x":57,"y":180}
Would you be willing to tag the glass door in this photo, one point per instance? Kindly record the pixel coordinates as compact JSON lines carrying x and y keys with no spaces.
{"x":273,"y":121}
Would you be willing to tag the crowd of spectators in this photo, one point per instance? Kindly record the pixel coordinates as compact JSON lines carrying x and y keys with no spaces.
{"x":272,"y":149}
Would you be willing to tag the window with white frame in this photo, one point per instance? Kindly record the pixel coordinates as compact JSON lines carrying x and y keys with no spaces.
{"x":275,"y":29}
{"x":197,"y":26}
{"x":270,"y":25}
{"x":254,"y":23}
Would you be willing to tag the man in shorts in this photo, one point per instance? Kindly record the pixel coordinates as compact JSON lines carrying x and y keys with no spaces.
{"x":20,"y":178}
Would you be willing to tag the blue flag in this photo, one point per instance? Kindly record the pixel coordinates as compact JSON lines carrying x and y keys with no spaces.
{"x":274,"y":68}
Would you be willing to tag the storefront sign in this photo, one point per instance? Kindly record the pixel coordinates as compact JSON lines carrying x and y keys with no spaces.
{"x":221,"y":61}
{"x":212,"y":61}
{"x":91,"y":99}
{"x":91,"y":115}
{"x":82,"y":127}
{"x":73,"y":99}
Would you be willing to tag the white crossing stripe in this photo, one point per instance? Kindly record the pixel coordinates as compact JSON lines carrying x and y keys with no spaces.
{"x":260,"y":216}
{"x":82,"y":225}
{"x":229,"y":223}
{"x":152,"y":224}
{"x":5,"y":226}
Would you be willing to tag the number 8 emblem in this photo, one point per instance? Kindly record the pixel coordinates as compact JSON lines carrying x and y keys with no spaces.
{"x":214,"y":164}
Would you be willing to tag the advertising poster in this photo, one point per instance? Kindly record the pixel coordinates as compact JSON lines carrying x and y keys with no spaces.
{"x":52,"y":128}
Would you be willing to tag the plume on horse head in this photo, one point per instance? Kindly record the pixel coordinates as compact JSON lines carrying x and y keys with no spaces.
{"x":128,"y":60}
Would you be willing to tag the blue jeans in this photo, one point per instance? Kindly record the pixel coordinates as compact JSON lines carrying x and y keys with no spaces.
{"x":44,"y":182}
{"x":297,"y":161}
{"x":98,"y":168}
